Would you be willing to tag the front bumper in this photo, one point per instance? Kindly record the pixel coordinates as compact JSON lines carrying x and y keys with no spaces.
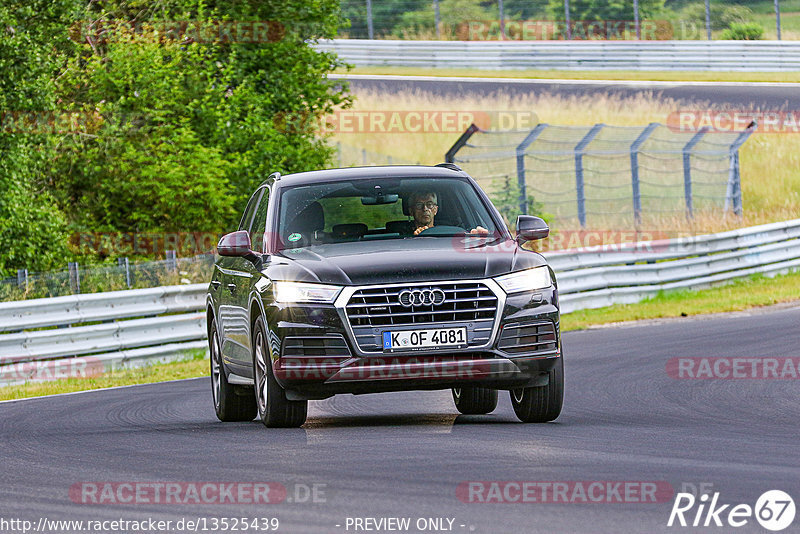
{"x":314,"y":354}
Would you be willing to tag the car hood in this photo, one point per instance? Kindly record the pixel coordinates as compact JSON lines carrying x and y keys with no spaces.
{"x":416,"y":259}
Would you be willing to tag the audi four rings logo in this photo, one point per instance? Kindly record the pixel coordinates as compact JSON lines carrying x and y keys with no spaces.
{"x":421,"y":297}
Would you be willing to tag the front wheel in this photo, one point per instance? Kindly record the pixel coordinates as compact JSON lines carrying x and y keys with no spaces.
{"x":274,"y":408}
{"x":227,"y":404}
{"x":475,"y":400}
{"x":541,"y":404}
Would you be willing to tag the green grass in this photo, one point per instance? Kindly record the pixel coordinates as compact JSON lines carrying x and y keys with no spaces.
{"x":668,"y":76}
{"x":198,"y":366}
{"x":743,"y":294}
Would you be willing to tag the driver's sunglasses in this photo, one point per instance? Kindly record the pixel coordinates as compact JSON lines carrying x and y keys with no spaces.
{"x":429,"y":205}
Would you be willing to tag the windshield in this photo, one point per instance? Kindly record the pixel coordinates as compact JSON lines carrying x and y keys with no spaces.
{"x":380,"y":208}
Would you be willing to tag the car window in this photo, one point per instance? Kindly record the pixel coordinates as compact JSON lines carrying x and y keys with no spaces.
{"x":247,"y":218}
{"x":260,"y":222}
{"x":374,"y":209}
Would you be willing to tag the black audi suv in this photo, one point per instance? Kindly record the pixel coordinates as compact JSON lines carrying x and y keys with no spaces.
{"x":377,"y":279}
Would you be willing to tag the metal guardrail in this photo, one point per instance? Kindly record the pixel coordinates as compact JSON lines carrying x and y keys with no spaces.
{"x":587,"y":279}
{"x":571,"y":55}
{"x":627,"y":274}
{"x":133,"y":329}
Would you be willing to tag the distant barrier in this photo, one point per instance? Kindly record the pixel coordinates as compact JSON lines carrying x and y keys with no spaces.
{"x":743,"y":56}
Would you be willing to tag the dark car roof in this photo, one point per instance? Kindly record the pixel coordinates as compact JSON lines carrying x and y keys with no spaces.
{"x":357,"y":173}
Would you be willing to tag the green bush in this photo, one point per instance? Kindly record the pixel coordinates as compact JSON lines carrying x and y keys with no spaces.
{"x":747,"y":31}
{"x":722,"y":16}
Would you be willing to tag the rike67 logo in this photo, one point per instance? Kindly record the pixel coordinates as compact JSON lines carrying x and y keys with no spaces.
{"x":774,"y":510}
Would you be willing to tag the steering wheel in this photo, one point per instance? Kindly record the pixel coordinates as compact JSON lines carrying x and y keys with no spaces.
{"x":442,"y":230}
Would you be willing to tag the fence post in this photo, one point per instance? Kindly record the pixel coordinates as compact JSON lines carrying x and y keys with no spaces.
{"x":778,"y":19}
{"x":733,"y":195}
{"x":74,"y":277}
{"x":521,"y":148}
{"x":172,"y":260}
{"x":708,"y":20}
{"x":566,"y":20}
{"x":125,"y":264}
{"x":635,"y":146}
{"x":22,"y":279}
{"x":579,"y":151}
{"x":437,"y":19}
{"x":370,"y":31}
{"x":687,"y":169}
{"x":502,"y":14}
{"x":449,"y":157}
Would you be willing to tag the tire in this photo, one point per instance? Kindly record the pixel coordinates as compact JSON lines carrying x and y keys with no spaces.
{"x":541,"y":404}
{"x":274,"y":409}
{"x":228,"y":405}
{"x":475,"y":400}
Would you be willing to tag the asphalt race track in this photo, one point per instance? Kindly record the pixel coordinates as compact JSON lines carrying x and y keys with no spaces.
{"x":404,"y":455}
{"x":744,"y":96}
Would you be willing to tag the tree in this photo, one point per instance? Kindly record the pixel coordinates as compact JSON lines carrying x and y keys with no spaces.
{"x":614,"y":10}
{"x":32,"y":45}
{"x":188,"y":126}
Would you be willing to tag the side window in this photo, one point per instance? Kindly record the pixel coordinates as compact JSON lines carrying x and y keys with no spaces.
{"x":260,"y":223}
{"x":247,"y":218}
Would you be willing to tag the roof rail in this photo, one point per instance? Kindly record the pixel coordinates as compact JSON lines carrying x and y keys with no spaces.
{"x":451,"y":166}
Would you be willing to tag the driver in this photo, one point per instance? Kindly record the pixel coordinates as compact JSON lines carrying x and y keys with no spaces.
{"x":423,"y":206}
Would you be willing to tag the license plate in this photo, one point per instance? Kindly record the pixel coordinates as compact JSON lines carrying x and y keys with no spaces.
{"x":423,"y":339}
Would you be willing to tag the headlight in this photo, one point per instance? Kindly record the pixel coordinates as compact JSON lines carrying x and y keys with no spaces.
{"x":303,"y":292}
{"x":527,"y":280}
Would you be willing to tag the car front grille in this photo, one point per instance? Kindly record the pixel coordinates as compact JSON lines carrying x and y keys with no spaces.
{"x":380,"y":306}
{"x":371,"y":311}
{"x":530,"y":337}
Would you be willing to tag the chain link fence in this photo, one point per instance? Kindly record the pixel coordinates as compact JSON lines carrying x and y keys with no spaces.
{"x":525,"y":20}
{"x":76,"y":279}
{"x":600,"y":175}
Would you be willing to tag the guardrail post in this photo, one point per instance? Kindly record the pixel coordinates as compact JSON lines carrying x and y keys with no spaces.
{"x":579,"y":151}
{"x":521,"y":148}
{"x":125,"y":264}
{"x":635,"y":146}
{"x":687,"y":169}
{"x":172,"y":260}
{"x":74,"y":277}
{"x":733,"y":195}
{"x":22,"y":279}
{"x":459,"y":144}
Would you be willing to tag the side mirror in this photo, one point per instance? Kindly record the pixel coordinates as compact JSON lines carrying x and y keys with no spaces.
{"x":530,"y":228}
{"x":235,"y":244}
